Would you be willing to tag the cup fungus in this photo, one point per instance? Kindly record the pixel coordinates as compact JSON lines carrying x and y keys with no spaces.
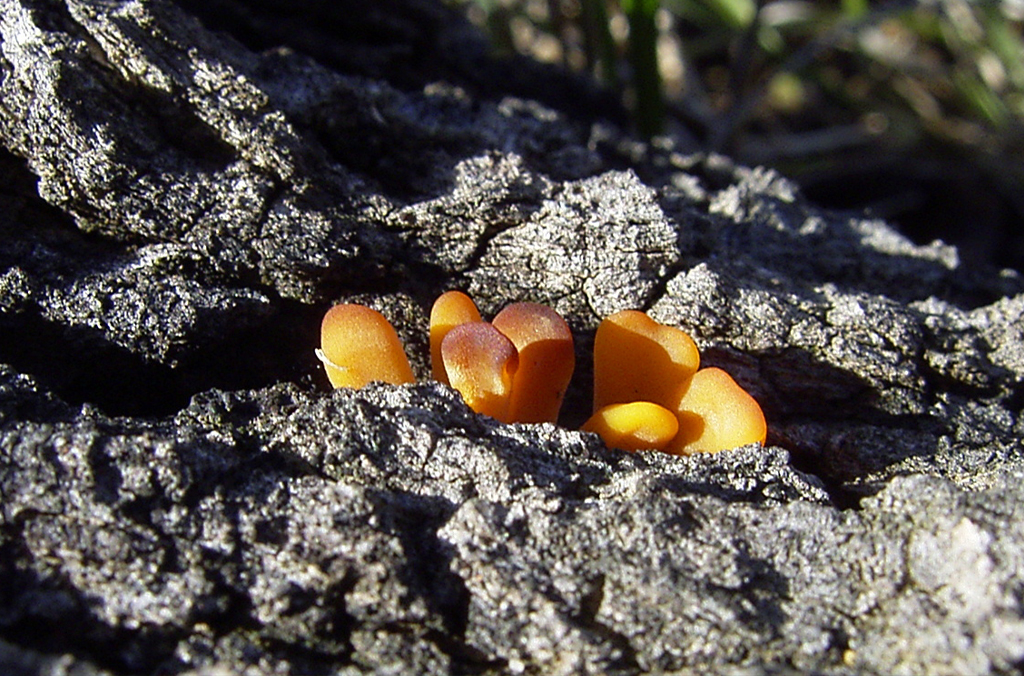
{"x":716,"y":414}
{"x":638,"y":425}
{"x":649,"y":392}
{"x":481,"y":362}
{"x":546,"y":360}
{"x":638,"y":359}
{"x":359,"y":345}
{"x":450,"y":309}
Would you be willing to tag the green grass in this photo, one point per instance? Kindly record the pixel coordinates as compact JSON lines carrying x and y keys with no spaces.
{"x":788,"y":64}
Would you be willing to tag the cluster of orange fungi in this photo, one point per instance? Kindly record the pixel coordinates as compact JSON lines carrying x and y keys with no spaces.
{"x":649,"y":390}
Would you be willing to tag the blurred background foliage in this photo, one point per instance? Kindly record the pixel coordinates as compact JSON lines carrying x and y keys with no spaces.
{"x":913,"y":110}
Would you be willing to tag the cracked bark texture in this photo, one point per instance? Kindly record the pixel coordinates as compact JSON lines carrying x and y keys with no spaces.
{"x":185,"y":188}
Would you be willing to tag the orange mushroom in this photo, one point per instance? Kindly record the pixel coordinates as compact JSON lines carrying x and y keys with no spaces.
{"x":638,"y":359}
{"x":638,"y":425}
{"x":546,"y":360}
{"x":648,"y":391}
{"x":716,"y":414}
{"x":450,"y":309}
{"x":359,"y":345}
{"x":480,"y":362}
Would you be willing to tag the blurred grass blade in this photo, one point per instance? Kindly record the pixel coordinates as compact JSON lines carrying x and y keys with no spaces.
{"x":980,"y":97}
{"x":643,"y":57}
{"x":1008,"y":45}
{"x":736,"y":13}
{"x":855,"y":9}
{"x":600,"y":44}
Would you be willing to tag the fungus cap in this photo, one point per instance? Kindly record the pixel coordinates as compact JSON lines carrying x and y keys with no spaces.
{"x":359,"y":345}
{"x":635,"y":426}
{"x":716,"y":414}
{"x":480,"y":362}
{"x":546,"y":360}
{"x":450,"y":309}
{"x":638,"y":359}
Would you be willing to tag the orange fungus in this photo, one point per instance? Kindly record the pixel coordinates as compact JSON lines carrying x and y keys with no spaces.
{"x":638,"y":425}
{"x":716,"y":414}
{"x":450,"y":309}
{"x":480,"y":362}
{"x":358,"y":345}
{"x":546,"y":360}
{"x":638,"y":359}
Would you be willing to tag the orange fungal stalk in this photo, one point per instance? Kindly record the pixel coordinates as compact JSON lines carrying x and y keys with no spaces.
{"x":638,"y":425}
{"x":359,"y":345}
{"x":716,"y":414}
{"x":638,"y":359}
{"x":450,"y":309}
{"x":546,"y":360}
{"x":481,"y":362}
